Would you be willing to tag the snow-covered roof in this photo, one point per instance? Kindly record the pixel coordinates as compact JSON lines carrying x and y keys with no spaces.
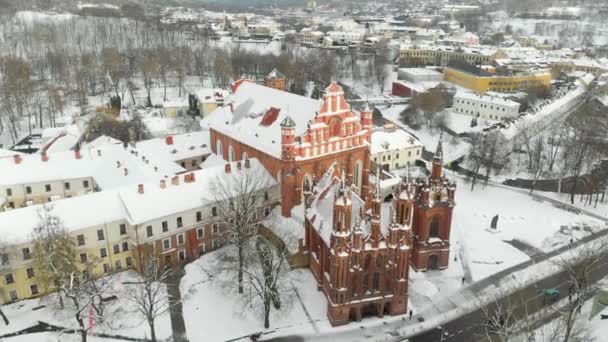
{"x":127,"y":204}
{"x":396,"y":140}
{"x":497,"y":100}
{"x":254,"y":112}
{"x":95,"y":209}
{"x":321,"y":212}
{"x":158,"y":202}
{"x":275,"y":74}
{"x":4,"y":153}
{"x":59,"y":139}
{"x":177,"y":147}
{"x":106,"y":165}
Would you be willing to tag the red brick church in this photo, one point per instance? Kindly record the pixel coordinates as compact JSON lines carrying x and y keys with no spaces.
{"x":358,"y":247}
{"x":296,"y":138}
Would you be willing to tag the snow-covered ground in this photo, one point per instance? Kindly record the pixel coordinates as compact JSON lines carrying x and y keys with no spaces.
{"x":121,"y":316}
{"x":231,"y":316}
{"x":539,"y":225}
{"x":461,"y":123}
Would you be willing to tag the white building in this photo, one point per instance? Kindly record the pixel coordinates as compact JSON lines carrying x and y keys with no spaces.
{"x":346,"y":37}
{"x":312,"y":37}
{"x":417,"y":75}
{"x":395,"y":148}
{"x":485,"y":106}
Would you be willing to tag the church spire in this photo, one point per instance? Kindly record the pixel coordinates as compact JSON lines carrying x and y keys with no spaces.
{"x":439,"y":151}
{"x":438,"y":160}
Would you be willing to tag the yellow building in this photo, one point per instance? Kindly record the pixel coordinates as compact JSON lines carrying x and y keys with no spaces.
{"x":173,"y":218}
{"x":481,"y":81}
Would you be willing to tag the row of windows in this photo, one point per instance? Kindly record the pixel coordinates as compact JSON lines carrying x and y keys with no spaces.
{"x":480,"y":105}
{"x":388,"y":157}
{"x":47,"y":188}
{"x":14,"y":295}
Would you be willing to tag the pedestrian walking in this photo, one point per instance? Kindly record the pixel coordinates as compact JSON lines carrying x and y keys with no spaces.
{"x":411,"y":314}
{"x":463,"y":280}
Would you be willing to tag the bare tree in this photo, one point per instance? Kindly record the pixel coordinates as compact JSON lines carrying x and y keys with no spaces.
{"x":149,"y":296}
{"x":58,"y":269}
{"x":580,"y":265}
{"x":238,"y":197}
{"x":267,"y":274}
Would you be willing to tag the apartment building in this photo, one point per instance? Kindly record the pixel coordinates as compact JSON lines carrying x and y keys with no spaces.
{"x":485,"y":106}
{"x":174,"y":218}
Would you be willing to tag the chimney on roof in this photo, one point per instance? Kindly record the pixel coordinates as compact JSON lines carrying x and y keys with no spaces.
{"x":169,"y":140}
{"x":175,"y":180}
{"x":238,"y":165}
{"x":99,"y":153}
{"x":77,"y":154}
{"x":126,"y":171}
{"x":17,"y":158}
{"x":140,"y":188}
{"x":247,"y":163}
{"x":163,"y":183}
{"x":227,"y":168}
{"x":45,"y":157}
{"x":189,"y":178}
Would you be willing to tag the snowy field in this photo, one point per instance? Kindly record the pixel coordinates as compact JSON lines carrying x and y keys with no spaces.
{"x":122,"y":318}
{"x":539,"y":226}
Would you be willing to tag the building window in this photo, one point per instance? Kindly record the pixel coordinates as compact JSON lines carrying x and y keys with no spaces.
{"x":100,"y":235}
{"x":9,"y":192}
{"x":117,"y":264}
{"x":47,"y":187}
{"x":199,"y":216}
{"x":106,"y":268}
{"x":125,"y":246}
{"x":200,"y":233}
{"x":13,"y":295}
{"x":4,"y":259}
{"x":85,"y":183}
{"x":201,"y":250}
{"x":180,"y":239}
{"x":116,"y":249}
{"x":83,"y":258}
{"x":34,"y":289}
{"x":9,"y":279}
{"x":66,"y":185}
{"x":215,"y":228}
{"x":182,"y":255}
{"x":129,"y":261}
{"x":149,"y":231}
{"x":123,"y":229}
{"x":179,"y":222}
{"x":214,"y":211}
{"x":26,"y":253}
{"x":80,"y":240}
{"x":30,"y":273}
{"x":165,"y":226}
{"x":166,"y":244}
{"x":28,"y":190}
{"x":103,"y":253}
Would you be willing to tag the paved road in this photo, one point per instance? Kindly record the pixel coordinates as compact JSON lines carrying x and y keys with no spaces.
{"x":470,"y":327}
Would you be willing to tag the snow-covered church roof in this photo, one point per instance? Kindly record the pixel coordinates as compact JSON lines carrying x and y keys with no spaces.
{"x":254,"y":112}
